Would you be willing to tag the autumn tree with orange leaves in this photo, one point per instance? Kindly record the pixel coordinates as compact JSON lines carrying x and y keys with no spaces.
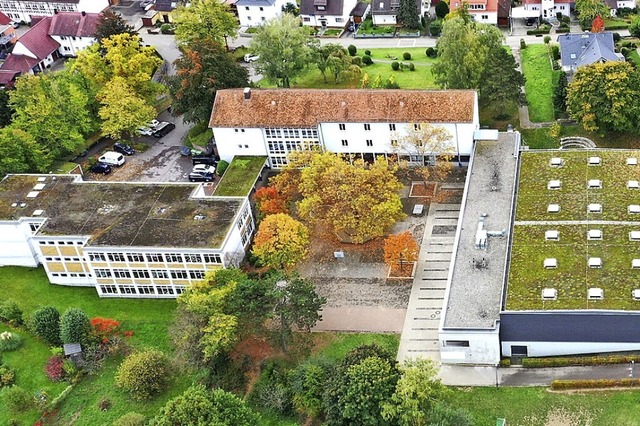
{"x":269,"y":200}
{"x":399,"y":250}
{"x":281,"y":242}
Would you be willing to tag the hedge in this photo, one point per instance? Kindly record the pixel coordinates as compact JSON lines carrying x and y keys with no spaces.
{"x":593,"y":384}
{"x":577,"y":361}
{"x":620,"y":26}
{"x":562,"y":30}
{"x":538,"y":32}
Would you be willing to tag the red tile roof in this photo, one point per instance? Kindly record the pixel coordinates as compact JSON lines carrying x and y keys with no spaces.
{"x":4,"y":19}
{"x":7,"y":76}
{"x":19,"y":63}
{"x":74,"y":24}
{"x":37,"y":39}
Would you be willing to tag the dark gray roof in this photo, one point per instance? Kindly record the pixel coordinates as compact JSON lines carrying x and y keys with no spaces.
{"x":568,"y":326}
{"x":581,"y":49}
{"x":360,"y":9}
{"x":250,"y":3}
{"x":165,"y":5}
{"x":387,"y":7}
{"x":333,"y":7}
{"x":613,"y":4}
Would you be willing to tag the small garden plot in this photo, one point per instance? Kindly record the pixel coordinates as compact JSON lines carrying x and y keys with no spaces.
{"x":423,"y":189}
{"x":240,"y":177}
{"x":536,"y":67}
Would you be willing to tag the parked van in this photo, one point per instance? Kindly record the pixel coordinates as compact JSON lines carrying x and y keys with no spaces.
{"x":112,"y":158}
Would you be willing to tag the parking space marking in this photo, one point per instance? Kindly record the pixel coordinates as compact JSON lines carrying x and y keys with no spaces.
{"x":409,"y":43}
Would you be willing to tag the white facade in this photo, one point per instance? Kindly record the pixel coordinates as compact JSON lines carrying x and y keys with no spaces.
{"x":546,"y":349}
{"x":548,"y":8}
{"x":251,"y":15}
{"x":335,"y":21}
{"x":383,"y":19}
{"x":17,"y":248}
{"x":20,"y":49}
{"x":470,"y":346}
{"x":70,"y":45}
{"x":485,"y":17}
{"x":23,"y":10}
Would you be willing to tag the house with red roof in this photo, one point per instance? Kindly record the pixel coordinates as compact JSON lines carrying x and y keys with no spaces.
{"x":73,"y":31}
{"x":34,"y":51}
{"x":494,"y":12}
{"x":26,"y":10}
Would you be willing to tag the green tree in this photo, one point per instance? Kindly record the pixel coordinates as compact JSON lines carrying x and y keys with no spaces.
{"x":444,"y":415}
{"x":204,"y":19}
{"x":408,"y":14}
{"x":308,"y":383}
{"x":204,"y":68}
{"x":143,"y":374}
{"x":321,"y":55}
{"x":281,"y":242}
{"x":291,"y":8}
{"x":603,"y":97}
{"x":75,"y":326}
{"x":442,"y":9}
{"x":463,"y":50}
{"x":634,"y":27}
{"x":111,"y":23}
{"x":560,"y":94}
{"x":199,"y":406}
{"x":45,"y":323}
{"x":501,"y":82}
{"x":122,"y":110}
{"x":6,"y":112}
{"x":588,"y":10}
{"x":341,"y":65}
{"x":20,"y":153}
{"x":285,"y":49}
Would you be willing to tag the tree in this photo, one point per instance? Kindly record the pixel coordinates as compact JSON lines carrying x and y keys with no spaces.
{"x":281,"y":242}
{"x":284,"y":47}
{"x":340,"y":65}
{"x":122,"y":110}
{"x":75,"y":326}
{"x":603,"y":96}
{"x":442,"y":9}
{"x":291,"y":8}
{"x":560,"y":94}
{"x":204,"y":19}
{"x":321,"y":55}
{"x":111,"y":23}
{"x":634,"y":27}
{"x":400,"y":248}
{"x":463,"y":50}
{"x":358,"y":201}
{"x":143,"y":374}
{"x":597,"y":26}
{"x":6,"y":112}
{"x":408,"y":14}
{"x":204,"y":68}
{"x":588,"y":10}
{"x":20,"y":153}
{"x":45,"y":323}
{"x":269,"y":200}
{"x":308,"y":384}
{"x":199,"y":406}
{"x":444,"y":415}
{"x":501,"y":82}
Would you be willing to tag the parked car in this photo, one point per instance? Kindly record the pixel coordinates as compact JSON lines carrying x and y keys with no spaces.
{"x":103,"y":168}
{"x":112,"y":158}
{"x":123,"y":148}
{"x":145,"y":131}
{"x":14,"y":24}
{"x":201,"y":176}
{"x":250,"y":57}
{"x":204,"y":159}
{"x":163,"y":128}
{"x":153,"y":124}
{"x":145,"y":3}
{"x":204,"y":168}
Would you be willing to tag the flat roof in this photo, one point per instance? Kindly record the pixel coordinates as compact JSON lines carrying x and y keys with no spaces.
{"x":120,"y":213}
{"x":475,"y":285}
{"x":572,"y":278}
{"x":241,"y":176}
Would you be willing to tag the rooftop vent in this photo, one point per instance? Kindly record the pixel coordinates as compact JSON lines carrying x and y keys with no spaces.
{"x":42,"y":179}
{"x":553,"y":208}
{"x":550,"y":263}
{"x":595,"y":294}
{"x":635,"y":264}
{"x":595,"y":262}
{"x":634,"y":236}
{"x":14,"y":204}
{"x":39,"y":187}
{"x":632,"y":161}
{"x":554,"y":184}
{"x":633,"y":184}
{"x":23,"y":205}
{"x":199,"y":217}
{"x":552,"y":235}
{"x":594,"y":208}
{"x":37,"y":212}
{"x":33,"y":194}
{"x":636,"y":294}
{"x":633,"y":209}
{"x":556,"y":162}
{"x":273,"y":103}
{"x":594,"y":234}
{"x":481,"y":235}
{"x":549,"y":294}
{"x":161,"y":210}
{"x":594,"y":184}
{"x":247,"y":93}
{"x":595,"y":161}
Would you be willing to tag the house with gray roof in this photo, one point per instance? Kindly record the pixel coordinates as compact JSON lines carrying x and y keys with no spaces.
{"x":327,"y":13}
{"x":577,"y":50}
{"x":252,"y":13}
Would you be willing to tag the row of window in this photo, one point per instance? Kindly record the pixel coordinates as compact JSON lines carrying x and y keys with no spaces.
{"x":66,"y":259}
{"x":176,"y":274}
{"x":156,"y":257}
{"x":60,"y":243}
{"x":70,"y":274}
{"x":367,"y":126}
{"x":289,"y":146}
{"x":345,"y":142}
{"x":140,"y":289}
{"x":275,"y":133}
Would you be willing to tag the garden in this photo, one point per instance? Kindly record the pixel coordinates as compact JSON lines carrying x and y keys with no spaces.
{"x":537,"y":69}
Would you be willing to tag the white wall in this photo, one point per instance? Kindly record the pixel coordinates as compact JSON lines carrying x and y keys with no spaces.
{"x":20,"y":49}
{"x":331,"y":21}
{"x":485,"y":17}
{"x":544,"y":349}
{"x":231,"y":142}
{"x":71,"y":47}
{"x":16,"y":246}
{"x":383,"y":19}
{"x":252,"y":16}
{"x":20,"y":10}
{"x":484,"y":347}
{"x":630,"y":4}
{"x":92,"y":6}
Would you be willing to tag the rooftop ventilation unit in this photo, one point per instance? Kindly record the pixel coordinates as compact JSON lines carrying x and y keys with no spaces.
{"x":595,"y":161}
{"x":556,"y":162}
{"x":199,"y":217}
{"x":594,"y":208}
{"x":553,"y":208}
{"x":594,"y":234}
{"x":39,"y":187}
{"x":635,"y":264}
{"x":554,"y":184}
{"x":14,"y":204}
{"x":33,"y":194}
{"x":23,"y":205}
{"x":636,"y":294}
{"x":481,"y":235}
{"x":594,"y":184}
{"x":633,"y":184}
{"x":552,"y":235}
{"x":633,"y":209}
{"x":632,"y":161}
{"x":549,"y":294}
{"x":42,"y":179}
{"x":550,"y":263}
{"x":595,"y":262}
{"x":37,"y":212}
{"x":595,"y":294}
{"x":634,"y":236}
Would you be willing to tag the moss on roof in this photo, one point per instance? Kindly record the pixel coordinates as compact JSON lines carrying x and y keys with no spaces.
{"x":240,"y":176}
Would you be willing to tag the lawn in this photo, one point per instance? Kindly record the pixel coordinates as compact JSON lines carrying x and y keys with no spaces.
{"x":539,"y":86}
{"x":240,"y":176}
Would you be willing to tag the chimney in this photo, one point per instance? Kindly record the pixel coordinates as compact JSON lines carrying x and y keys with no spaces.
{"x":247,"y":93}
{"x":84,"y":13}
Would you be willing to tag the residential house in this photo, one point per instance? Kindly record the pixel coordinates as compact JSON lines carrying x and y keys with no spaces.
{"x":358,"y":123}
{"x":165,"y":10}
{"x":74,"y":31}
{"x":549,"y":8}
{"x":360,"y":12}
{"x":34,"y":51}
{"x":614,"y":5}
{"x":7,"y":34}
{"x":581,"y":49}
{"x":25,"y":10}
{"x":494,"y":12}
{"x":383,"y":12}
{"x":147,"y":240}
{"x":252,"y":13}
{"x":326,"y":13}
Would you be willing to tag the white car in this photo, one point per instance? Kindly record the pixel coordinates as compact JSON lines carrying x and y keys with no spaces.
{"x":153,"y":124}
{"x":204,"y":168}
{"x":145,"y":131}
{"x":112,"y":158}
{"x":250,"y":57}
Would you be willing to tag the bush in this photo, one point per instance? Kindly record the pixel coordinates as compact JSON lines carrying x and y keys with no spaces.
{"x":435,"y":28}
{"x":593,"y":384}
{"x":7,"y":376}
{"x":9,"y":341}
{"x":166,"y":29}
{"x":547,"y":39}
{"x":54,"y":369}
{"x":406,"y":56}
{"x":625,"y":51}
{"x":616,"y":37}
{"x":131,"y":419}
{"x":352,"y":50}
{"x":10,"y":312}
{"x":221,"y":167}
{"x":395,"y":65}
{"x":442,"y":9}
{"x":578,"y":361}
{"x":356,"y":60}
{"x":555,"y":52}
{"x":368,"y":52}
{"x":16,"y":399}
{"x":431,"y":52}
{"x":272,"y":391}
{"x":75,"y":326}
{"x":45,"y":323}
{"x":523,"y":44}
{"x":366,"y":60}
{"x":58,"y":399}
{"x":412,"y":67}
{"x":143,"y":374}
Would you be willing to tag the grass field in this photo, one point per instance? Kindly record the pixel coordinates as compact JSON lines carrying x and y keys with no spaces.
{"x":539,"y":86}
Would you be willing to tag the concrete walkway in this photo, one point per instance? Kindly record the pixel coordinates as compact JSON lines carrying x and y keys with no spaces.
{"x":420,"y":332}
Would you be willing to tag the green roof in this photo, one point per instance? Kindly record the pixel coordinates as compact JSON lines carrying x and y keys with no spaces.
{"x":240,"y":177}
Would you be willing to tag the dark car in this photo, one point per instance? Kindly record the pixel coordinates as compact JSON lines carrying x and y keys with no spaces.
{"x":163,"y":128}
{"x":123,"y":148}
{"x":531,"y":21}
{"x":103,"y":168}
{"x":205,"y":159}
{"x":201,"y":176}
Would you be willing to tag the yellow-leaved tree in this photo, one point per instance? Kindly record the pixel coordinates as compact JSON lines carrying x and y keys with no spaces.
{"x":281,"y":241}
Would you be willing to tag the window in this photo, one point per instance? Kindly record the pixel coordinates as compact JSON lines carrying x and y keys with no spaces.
{"x":367,"y":126}
{"x":394,"y":142}
{"x":338,"y":20}
{"x":140,"y":273}
{"x":163,"y":289}
{"x":246,"y":8}
{"x":345,"y":142}
{"x":135,"y":257}
{"x":96,"y":257}
{"x":342,"y":126}
{"x":456,"y":343}
{"x":34,"y":227}
{"x":173,"y":258}
{"x":108,"y":289}
{"x":212,"y":258}
{"x":485,"y":17}
{"x":66,"y":48}
{"x":196,"y":275}
{"x":127,"y":289}
{"x":192,"y":258}
{"x":369,"y":142}
{"x":179,"y":290}
{"x":392,"y":127}
{"x":179,"y":274}
{"x":160,"y":274}
{"x":121,"y":273}
{"x":63,"y":37}
{"x":306,"y":19}
{"x":263,"y":19}
{"x":417,"y":126}
{"x":103,"y":273}
{"x":262,"y":9}
{"x":154,"y":257}
{"x":235,"y":130}
{"x":115,"y":257}
{"x":146,"y":289}
{"x":248,"y":17}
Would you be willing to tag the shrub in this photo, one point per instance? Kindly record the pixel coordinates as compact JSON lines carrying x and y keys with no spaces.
{"x":74,"y":326}
{"x":578,"y":361}
{"x":523,"y":45}
{"x":406,"y":56}
{"x":625,"y":51}
{"x":547,"y":39}
{"x":395,"y":65}
{"x":442,"y":9}
{"x":54,"y":368}
{"x":368,"y":52}
{"x":131,"y":419}
{"x":104,"y":404}
{"x":435,"y":28}
{"x":352,"y":50}
{"x":16,"y":399}
{"x":356,"y":60}
{"x":166,"y":29}
{"x":430,"y":52}
{"x":555,"y":52}
{"x":593,"y":384}
{"x":10,"y":312}
{"x":7,"y":376}
{"x":616,"y":37}
{"x":221,"y":167}
{"x":104,"y":328}
{"x":9,"y":341}
{"x":143,"y":374}
{"x":272,"y":391}
{"x":366,"y":60}
{"x":45,"y":323}
{"x":412,"y":67}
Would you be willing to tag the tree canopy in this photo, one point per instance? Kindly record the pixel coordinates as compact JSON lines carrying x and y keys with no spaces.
{"x":408,"y":14}
{"x":281,"y":242}
{"x":111,"y":23}
{"x":588,"y":10}
{"x":501,"y":82}
{"x":204,"y":19}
